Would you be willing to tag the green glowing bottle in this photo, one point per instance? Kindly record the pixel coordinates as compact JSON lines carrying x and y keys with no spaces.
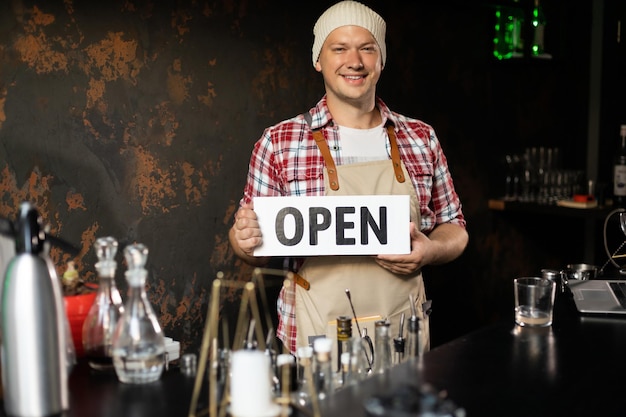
{"x":508,"y":41}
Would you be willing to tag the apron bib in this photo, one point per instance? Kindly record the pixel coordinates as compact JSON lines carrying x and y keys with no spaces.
{"x":376,"y":293}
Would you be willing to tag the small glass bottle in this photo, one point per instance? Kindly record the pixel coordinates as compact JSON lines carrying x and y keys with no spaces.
{"x":398,"y":344}
{"x":323,"y":375}
{"x":287,"y":377}
{"x":138,"y":342}
{"x":360,"y":366}
{"x":344,"y":338}
{"x":353,"y":364}
{"x":508,"y":41}
{"x":305,"y":375}
{"x":345,"y":377}
{"x":414,"y":339}
{"x":382,"y":346}
{"x":539,"y":25}
{"x":106,"y":309}
{"x":619,"y":171}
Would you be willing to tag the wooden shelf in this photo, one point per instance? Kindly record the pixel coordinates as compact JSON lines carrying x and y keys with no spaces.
{"x":549,"y":209}
{"x":589,"y":222}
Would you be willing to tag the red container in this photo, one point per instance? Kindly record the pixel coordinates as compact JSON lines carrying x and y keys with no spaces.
{"x":77,"y":308}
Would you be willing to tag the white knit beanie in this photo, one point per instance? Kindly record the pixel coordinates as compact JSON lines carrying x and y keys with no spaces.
{"x":347,"y":13}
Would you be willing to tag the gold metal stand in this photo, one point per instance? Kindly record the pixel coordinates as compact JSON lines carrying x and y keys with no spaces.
{"x":249,"y":318}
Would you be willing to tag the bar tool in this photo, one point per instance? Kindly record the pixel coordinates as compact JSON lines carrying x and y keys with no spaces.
{"x":365,"y":339}
{"x":398,"y":343}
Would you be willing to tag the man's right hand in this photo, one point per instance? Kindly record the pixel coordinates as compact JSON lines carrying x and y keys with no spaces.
{"x":245,"y":235}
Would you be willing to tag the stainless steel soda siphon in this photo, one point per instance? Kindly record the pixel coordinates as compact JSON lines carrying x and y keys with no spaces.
{"x":138,"y":342}
{"x":106,"y":310}
{"x":35,"y":348}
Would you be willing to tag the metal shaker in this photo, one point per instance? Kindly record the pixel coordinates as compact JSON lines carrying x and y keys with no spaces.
{"x":556,"y":276}
{"x":34,"y":344}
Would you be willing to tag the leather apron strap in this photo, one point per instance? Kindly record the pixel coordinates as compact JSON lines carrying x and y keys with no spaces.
{"x":320,"y":140}
{"x":395,"y":154}
{"x":333,"y":181}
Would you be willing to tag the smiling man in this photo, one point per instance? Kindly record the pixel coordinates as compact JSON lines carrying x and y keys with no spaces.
{"x":351,"y":143}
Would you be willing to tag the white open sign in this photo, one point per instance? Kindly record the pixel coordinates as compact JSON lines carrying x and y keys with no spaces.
{"x":333,"y":225}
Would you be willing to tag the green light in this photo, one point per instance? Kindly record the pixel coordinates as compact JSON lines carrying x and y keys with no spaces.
{"x":507,"y":27}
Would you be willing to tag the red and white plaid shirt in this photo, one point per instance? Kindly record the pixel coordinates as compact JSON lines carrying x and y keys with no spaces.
{"x":286,"y":162}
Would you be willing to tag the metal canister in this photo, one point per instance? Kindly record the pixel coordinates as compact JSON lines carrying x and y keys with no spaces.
{"x":34,"y":348}
{"x":582,"y":271}
{"x":556,"y":276}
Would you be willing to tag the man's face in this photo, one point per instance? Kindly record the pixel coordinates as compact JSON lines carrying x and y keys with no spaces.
{"x":351,"y":63}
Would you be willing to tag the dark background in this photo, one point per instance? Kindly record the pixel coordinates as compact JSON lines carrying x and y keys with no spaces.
{"x":136,"y":119}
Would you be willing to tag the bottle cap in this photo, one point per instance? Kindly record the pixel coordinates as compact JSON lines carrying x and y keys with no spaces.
{"x":323,"y":344}
{"x":106,"y":248}
{"x":344,"y":328}
{"x":285,"y":359}
{"x":188,"y":364}
{"x":136,"y":255}
{"x":305,"y":352}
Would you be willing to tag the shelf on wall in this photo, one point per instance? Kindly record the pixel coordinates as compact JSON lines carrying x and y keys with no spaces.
{"x":589,"y":211}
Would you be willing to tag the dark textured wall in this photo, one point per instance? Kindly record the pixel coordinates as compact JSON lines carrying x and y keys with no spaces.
{"x":135,"y":119}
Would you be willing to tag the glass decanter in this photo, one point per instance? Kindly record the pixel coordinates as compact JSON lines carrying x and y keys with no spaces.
{"x":106,"y":309}
{"x":138,"y":342}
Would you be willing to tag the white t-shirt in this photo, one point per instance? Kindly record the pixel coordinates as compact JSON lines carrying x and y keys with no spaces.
{"x":362,"y":145}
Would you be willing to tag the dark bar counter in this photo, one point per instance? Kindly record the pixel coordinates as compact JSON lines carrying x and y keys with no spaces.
{"x":574,"y":368}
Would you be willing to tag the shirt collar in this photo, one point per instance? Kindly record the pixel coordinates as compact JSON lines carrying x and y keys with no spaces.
{"x":321,"y":116}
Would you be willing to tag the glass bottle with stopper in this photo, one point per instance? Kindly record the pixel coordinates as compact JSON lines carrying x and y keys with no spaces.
{"x":323,"y":376}
{"x":382,"y":346}
{"x":414,"y":344}
{"x":619,"y":171}
{"x":303,"y":397}
{"x":538,"y":23}
{"x":138,"y":342}
{"x":344,"y":351}
{"x":398,"y":344}
{"x":106,"y":310}
{"x":344,"y":339}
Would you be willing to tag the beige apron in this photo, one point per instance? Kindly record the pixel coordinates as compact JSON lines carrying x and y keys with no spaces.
{"x":375,"y":291}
